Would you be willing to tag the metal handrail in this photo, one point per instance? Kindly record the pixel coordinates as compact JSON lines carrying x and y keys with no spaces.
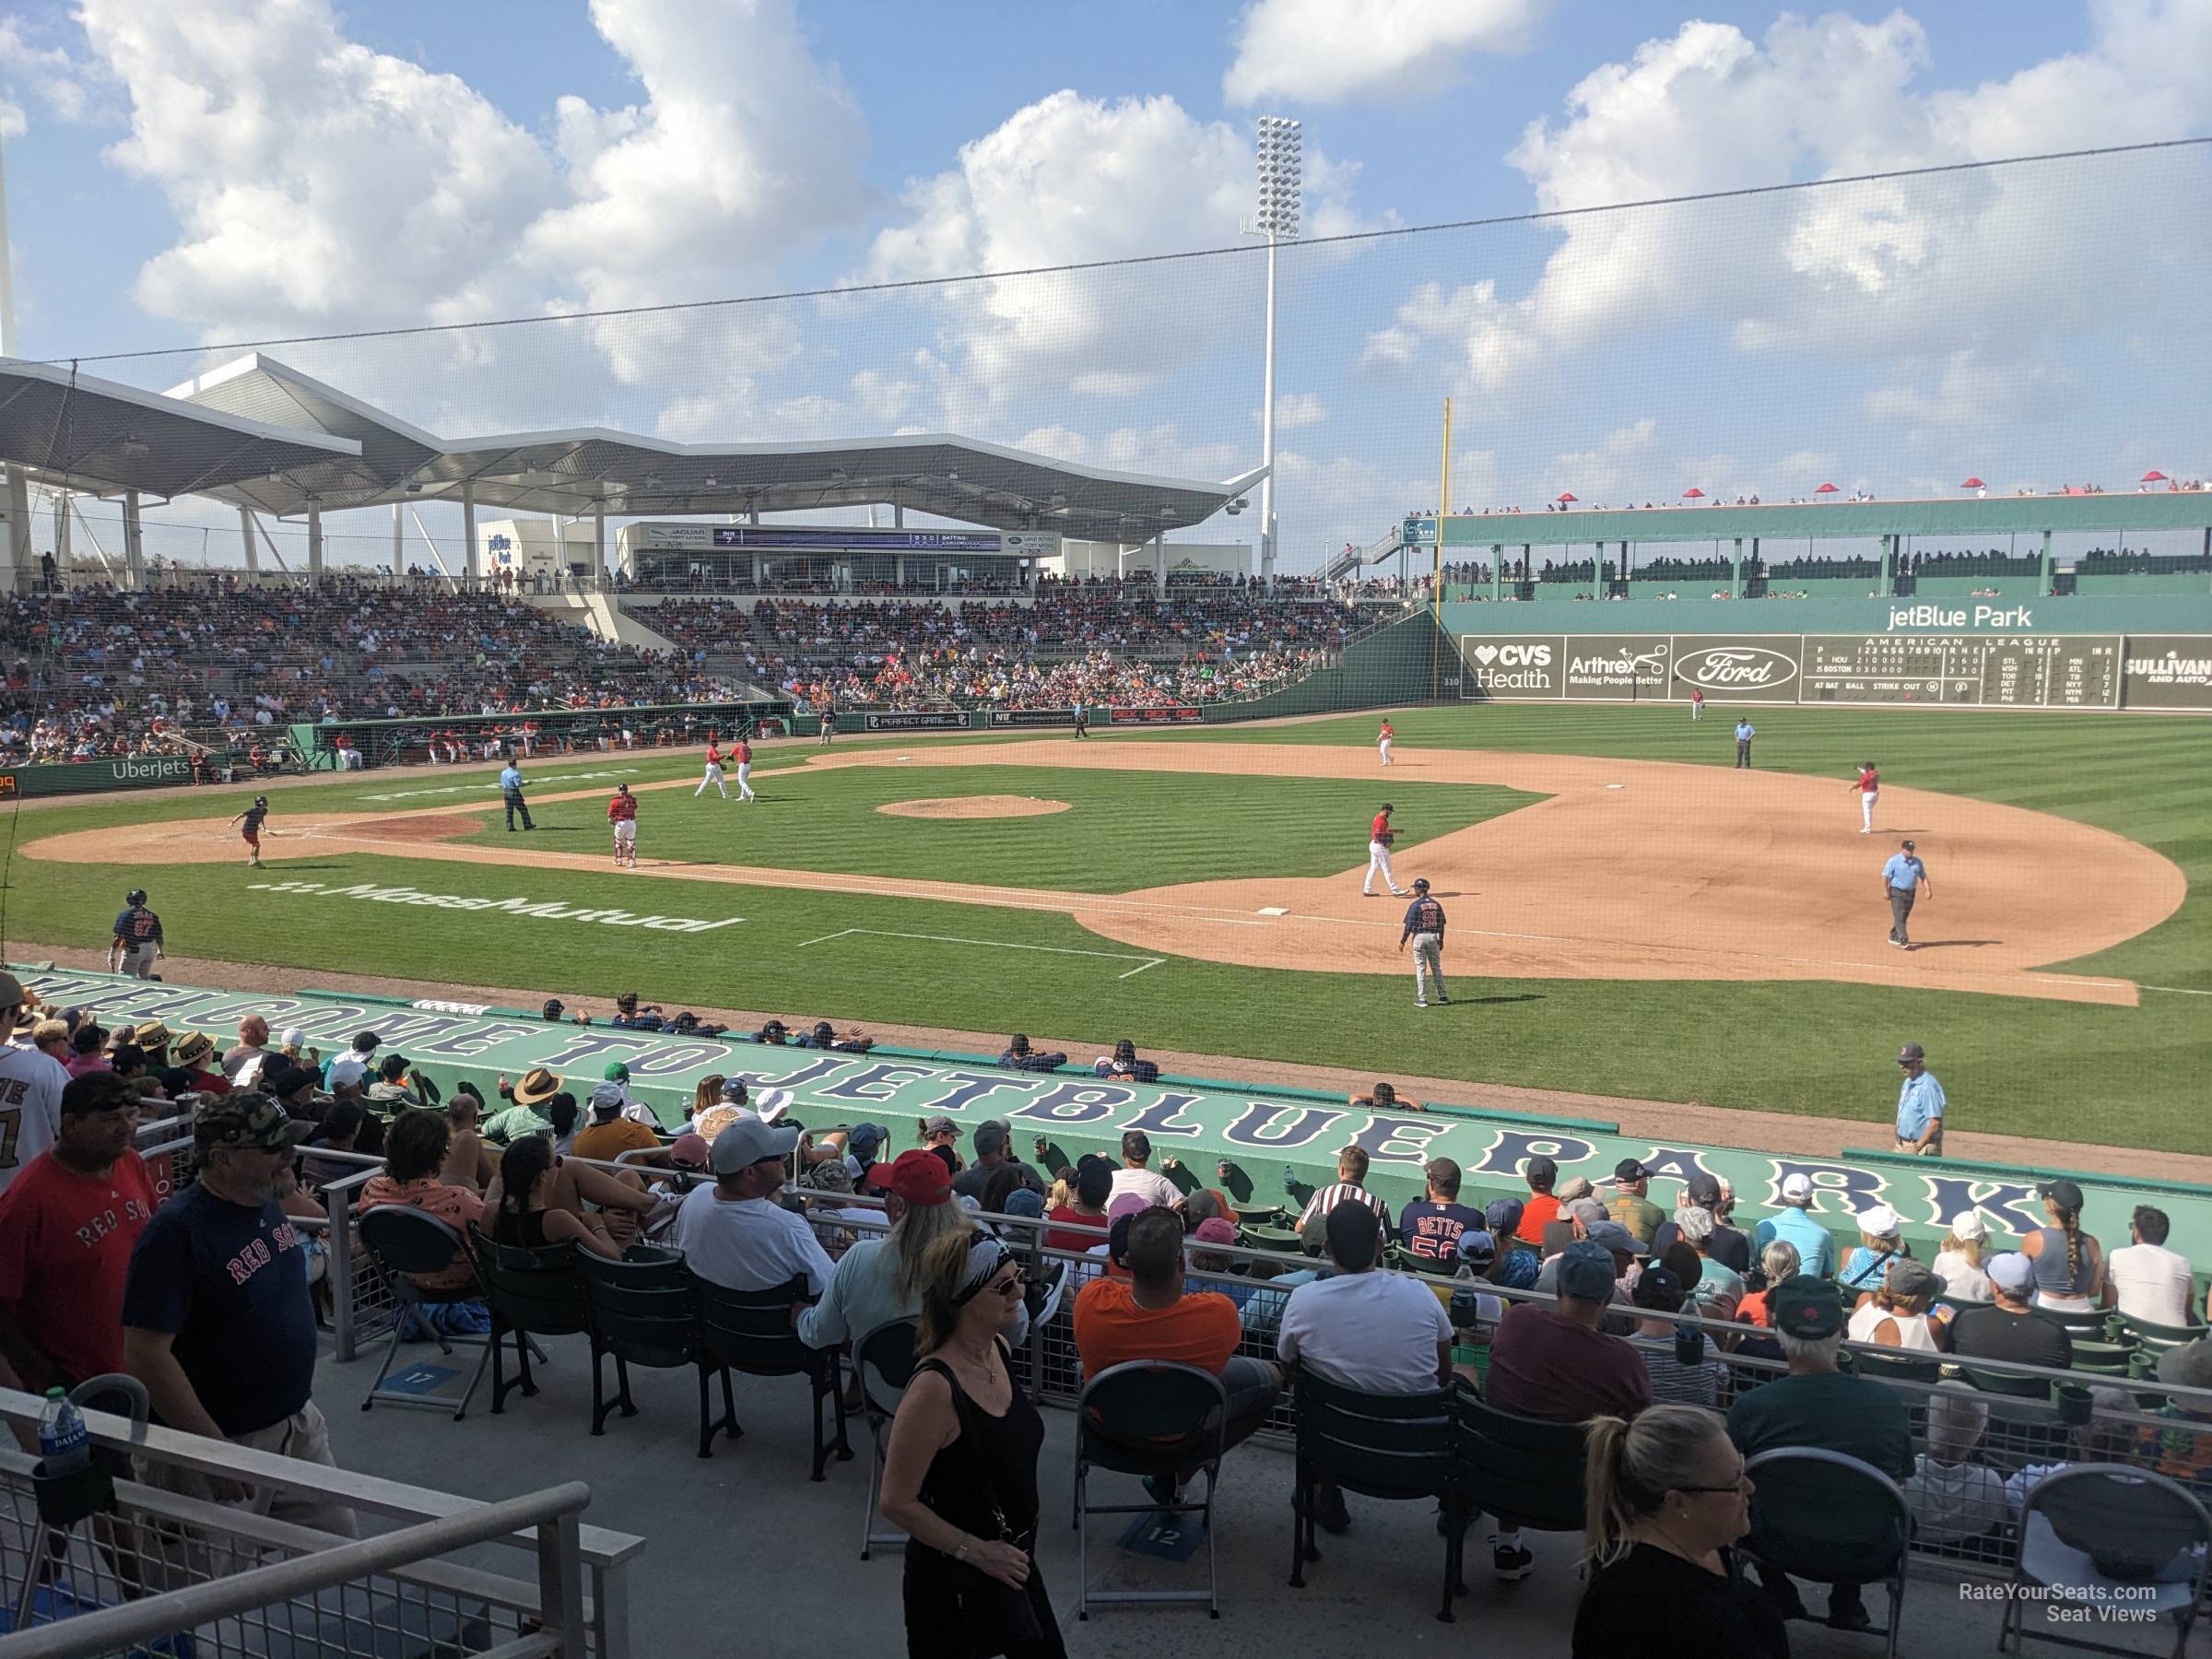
{"x":118,"y":1629}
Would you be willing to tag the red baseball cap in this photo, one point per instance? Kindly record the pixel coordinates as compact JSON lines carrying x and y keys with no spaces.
{"x":919,"y":1177}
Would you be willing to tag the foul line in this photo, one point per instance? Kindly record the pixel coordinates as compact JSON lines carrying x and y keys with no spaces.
{"x":2175,"y":990}
{"x":1118,"y":956}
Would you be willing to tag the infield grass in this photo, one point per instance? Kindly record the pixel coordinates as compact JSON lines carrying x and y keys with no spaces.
{"x":2136,"y":1077}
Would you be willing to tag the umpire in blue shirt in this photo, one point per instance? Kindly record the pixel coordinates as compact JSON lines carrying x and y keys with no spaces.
{"x":510,"y":790}
{"x":1424,"y":928}
{"x":1920,"y":1105}
{"x":1904,"y":879}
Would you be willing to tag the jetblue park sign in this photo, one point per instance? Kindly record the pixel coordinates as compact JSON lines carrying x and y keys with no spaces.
{"x":1264,"y":1138}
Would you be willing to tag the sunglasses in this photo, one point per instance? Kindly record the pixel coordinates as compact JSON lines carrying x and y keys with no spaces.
{"x":1012,"y":1287}
{"x":1733,"y":1487}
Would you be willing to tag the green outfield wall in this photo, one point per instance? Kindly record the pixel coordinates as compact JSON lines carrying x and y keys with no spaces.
{"x":1257,"y":1143}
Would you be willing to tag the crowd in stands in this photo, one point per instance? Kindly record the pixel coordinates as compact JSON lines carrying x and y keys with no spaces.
{"x":98,"y":673}
{"x":1676,"y":1343}
{"x":1095,"y":641}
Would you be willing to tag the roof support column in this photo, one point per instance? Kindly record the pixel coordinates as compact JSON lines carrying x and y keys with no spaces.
{"x":314,"y":544}
{"x":23,"y":566}
{"x":2043,"y":572}
{"x":1736,"y":570}
{"x":60,"y":537}
{"x":134,"y":542}
{"x":471,"y":553}
{"x":1888,"y":581}
{"x":399,"y":549}
{"x":1160,"y":562}
{"x":898,"y":515}
{"x":598,"y":548}
{"x":253,"y":542}
{"x":1497,"y":570}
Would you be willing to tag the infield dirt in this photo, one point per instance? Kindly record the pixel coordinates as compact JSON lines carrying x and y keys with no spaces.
{"x":1628,"y":869}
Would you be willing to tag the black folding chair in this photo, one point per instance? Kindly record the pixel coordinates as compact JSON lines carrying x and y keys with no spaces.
{"x":1831,"y":1519}
{"x":1161,"y":1421}
{"x":643,"y":1312}
{"x":531,"y":1293}
{"x":1391,"y":1446}
{"x":883,"y":1362}
{"x":752,"y":1332}
{"x":1525,"y":1470}
{"x":403,"y":1241}
{"x":2108,"y":1535}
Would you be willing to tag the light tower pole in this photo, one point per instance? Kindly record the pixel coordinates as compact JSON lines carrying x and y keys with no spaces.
{"x":1281,"y":175}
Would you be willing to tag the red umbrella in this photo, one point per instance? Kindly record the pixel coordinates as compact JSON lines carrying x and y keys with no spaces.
{"x":1826,"y":489}
{"x":1693,"y":490}
{"x":1973,"y":484}
{"x":1568,"y":495}
{"x":2153,"y":476}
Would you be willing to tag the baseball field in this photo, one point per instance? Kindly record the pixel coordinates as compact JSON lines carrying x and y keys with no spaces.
{"x":1629,"y":916}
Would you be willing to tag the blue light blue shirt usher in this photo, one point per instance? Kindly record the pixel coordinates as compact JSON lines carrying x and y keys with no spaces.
{"x":1919,"y":1103}
{"x":510,"y":779}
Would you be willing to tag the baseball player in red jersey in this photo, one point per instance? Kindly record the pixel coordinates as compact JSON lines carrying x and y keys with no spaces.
{"x":1378,"y":836}
{"x":1383,"y":741}
{"x":622,"y":813}
{"x":714,"y":772}
{"x":744,"y":752}
{"x":1869,"y":786}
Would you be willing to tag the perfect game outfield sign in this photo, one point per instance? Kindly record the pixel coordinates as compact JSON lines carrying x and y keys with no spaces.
{"x":1261,"y":1133}
{"x":2024,"y":671}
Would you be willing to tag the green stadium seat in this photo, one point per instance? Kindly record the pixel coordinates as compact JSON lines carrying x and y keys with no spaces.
{"x":1283,"y":1238}
{"x":2157,"y":1338}
{"x":2103,"y":1359}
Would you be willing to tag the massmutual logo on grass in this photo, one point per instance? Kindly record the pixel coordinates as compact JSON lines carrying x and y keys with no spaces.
{"x":544,"y":910}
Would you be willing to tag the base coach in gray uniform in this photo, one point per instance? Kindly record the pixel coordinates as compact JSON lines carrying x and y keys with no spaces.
{"x":1424,"y":928}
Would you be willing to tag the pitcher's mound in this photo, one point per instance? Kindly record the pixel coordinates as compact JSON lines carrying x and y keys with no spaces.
{"x":974,"y":807}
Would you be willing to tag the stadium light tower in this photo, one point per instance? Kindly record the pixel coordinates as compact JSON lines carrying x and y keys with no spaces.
{"x":1281,"y":177}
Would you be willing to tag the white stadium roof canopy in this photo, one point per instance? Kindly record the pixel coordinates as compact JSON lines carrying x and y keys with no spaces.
{"x":261,"y":434}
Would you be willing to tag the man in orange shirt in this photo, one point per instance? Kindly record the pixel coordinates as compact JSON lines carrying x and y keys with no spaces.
{"x":611,"y":1133}
{"x":1148,"y":1317}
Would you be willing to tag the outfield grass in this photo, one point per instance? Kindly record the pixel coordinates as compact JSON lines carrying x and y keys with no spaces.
{"x":1122,"y":831}
{"x":2064,"y":1071}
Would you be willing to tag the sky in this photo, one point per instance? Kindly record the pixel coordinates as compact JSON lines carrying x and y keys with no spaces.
{"x":187,"y":173}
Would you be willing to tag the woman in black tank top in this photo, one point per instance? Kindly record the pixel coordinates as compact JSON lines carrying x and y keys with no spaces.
{"x":960,"y":1474}
{"x":525,"y":1219}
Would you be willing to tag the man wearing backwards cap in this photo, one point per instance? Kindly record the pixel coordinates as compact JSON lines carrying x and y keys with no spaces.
{"x":2008,"y":1327}
{"x":734,"y":1233}
{"x":1820,"y":1405}
{"x":1561,"y":1365}
{"x":216,"y":1317}
{"x":1629,"y":1206}
{"x":1795,"y":1226}
{"x":30,"y":1084}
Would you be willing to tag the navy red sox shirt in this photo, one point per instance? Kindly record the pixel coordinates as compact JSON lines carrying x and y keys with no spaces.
{"x":1424,"y":916}
{"x":138,"y":926}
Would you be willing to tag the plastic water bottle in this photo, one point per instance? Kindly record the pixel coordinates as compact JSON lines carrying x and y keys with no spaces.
{"x":62,"y":1439}
{"x":1466,"y":1310}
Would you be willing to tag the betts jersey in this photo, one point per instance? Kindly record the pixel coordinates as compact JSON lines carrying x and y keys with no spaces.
{"x":622,"y":808}
{"x":30,"y":1107}
{"x":138,"y":926}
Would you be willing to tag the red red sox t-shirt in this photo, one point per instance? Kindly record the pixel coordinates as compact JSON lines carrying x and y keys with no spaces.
{"x":1380,"y":829}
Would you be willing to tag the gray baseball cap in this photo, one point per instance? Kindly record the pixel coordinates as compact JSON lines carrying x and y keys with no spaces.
{"x":746,"y":1141}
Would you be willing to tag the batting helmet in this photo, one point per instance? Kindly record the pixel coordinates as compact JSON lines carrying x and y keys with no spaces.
{"x":136,"y":896}
{"x":261,"y":800}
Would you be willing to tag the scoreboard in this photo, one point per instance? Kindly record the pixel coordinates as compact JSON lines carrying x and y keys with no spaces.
{"x":2026,"y":671}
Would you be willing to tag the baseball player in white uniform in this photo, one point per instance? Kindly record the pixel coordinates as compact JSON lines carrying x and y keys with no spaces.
{"x":744,"y":770}
{"x":714,"y":772}
{"x":1869,"y":786}
{"x":1383,"y":740}
{"x":1378,"y":836}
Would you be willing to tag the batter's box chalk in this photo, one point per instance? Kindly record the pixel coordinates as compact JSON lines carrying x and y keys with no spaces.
{"x":1275,"y":910}
{"x":1616,"y":786}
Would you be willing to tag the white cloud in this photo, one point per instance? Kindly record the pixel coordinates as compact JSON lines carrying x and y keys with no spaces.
{"x":1323,"y":51}
{"x":1627,"y":455}
{"x":1294,"y":409}
{"x":1075,"y":180}
{"x":1909,"y":269}
{"x":50,"y":71}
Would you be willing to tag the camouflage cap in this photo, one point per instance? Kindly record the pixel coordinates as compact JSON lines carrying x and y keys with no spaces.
{"x":248,"y":1118}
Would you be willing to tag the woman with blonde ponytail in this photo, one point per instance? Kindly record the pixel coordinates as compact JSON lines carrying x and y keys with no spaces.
{"x":2069,"y":1264}
{"x":1666,"y":1496}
